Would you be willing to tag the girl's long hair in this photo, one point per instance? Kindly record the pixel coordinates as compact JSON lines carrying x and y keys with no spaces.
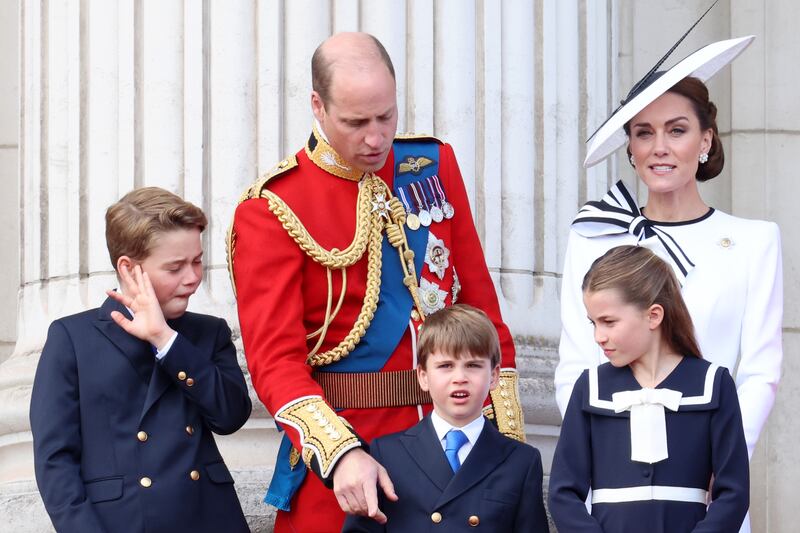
{"x":643,"y":279}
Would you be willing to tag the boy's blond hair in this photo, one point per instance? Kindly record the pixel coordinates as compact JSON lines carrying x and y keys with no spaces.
{"x":459,"y":330}
{"x":135,"y":222}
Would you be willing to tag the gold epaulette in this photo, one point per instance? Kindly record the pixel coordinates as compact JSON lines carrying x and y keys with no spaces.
{"x":254,"y":191}
{"x":416,"y":137}
{"x":325,"y":437}
{"x":506,"y":405}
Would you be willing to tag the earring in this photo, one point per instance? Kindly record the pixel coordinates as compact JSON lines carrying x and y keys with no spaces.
{"x":633,"y":163}
{"x":703,"y":157}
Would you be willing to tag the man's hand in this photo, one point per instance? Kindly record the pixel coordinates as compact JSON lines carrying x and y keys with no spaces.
{"x":355,"y":482}
{"x":138,"y":295}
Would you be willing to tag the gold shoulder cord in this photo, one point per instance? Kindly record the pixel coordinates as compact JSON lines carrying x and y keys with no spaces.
{"x":374,"y":213}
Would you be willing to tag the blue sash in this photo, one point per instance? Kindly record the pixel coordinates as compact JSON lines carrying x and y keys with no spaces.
{"x":394,"y":305}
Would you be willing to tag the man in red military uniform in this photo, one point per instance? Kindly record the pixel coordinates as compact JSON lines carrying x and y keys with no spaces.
{"x":337,"y":256}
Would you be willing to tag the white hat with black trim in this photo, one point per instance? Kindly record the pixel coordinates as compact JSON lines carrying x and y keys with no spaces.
{"x":702,"y":64}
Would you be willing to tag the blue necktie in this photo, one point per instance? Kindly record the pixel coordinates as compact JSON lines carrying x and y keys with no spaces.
{"x":453,"y":442}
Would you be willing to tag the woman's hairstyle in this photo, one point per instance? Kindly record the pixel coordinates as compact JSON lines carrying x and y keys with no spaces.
{"x":697,"y":93}
{"x":643,"y":279}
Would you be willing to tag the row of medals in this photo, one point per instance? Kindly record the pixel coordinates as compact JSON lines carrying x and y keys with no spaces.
{"x":440,"y":210}
{"x":426,"y":218}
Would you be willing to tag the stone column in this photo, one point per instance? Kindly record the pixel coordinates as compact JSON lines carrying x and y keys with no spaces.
{"x":202,"y":97}
{"x":116,"y":94}
{"x":764,"y":140}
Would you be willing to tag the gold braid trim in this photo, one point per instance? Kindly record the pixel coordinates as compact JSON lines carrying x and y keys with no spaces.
{"x":506,"y":405}
{"x":370,"y":220}
{"x":395,"y":231}
{"x":374,"y":260}
{"x":334,"y":258}
{"x":323,"y":434}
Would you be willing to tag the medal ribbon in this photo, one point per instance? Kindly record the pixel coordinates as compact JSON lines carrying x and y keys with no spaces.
{"x":403,"y":198}
{"x":420,"y":192}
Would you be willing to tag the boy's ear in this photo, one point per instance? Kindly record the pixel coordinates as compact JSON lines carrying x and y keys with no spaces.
{"x":422,"y":377}
{"x":495,"y":377}
{"x":125,"y":262}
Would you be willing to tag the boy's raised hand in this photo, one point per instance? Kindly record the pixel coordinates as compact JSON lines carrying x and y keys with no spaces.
{"x":138,"y":295}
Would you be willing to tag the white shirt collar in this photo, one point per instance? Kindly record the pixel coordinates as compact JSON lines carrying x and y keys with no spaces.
{"x":471,"y":430}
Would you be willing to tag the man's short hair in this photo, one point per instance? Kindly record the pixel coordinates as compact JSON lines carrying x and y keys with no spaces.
{"x":321,"y":72}
{"x":458,"y":330}
{"x":135,"y":222}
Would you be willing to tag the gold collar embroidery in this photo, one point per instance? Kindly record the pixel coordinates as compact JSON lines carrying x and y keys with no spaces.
{"x":326,"y":158}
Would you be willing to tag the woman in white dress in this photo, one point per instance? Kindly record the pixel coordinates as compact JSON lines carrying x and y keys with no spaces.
{"x":729,"y":267}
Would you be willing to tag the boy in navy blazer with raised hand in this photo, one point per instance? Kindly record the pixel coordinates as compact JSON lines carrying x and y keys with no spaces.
{"x":126,"y":396}
{"x":453,"y":471}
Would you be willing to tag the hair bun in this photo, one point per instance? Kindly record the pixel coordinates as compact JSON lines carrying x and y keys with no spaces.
{"x":712,"y":110}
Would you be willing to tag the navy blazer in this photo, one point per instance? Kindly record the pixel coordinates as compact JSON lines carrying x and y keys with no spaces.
{"x":123,"y":443}
{"x":498,"y":488}
{"x":704,"y":438}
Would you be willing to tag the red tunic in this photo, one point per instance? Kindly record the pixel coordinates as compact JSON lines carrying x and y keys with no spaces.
{"x":282,"y":296}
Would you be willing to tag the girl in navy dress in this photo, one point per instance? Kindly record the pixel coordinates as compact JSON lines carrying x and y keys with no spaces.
{"x":649,"y":430}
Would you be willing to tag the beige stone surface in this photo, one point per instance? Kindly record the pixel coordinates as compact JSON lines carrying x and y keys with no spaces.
{"x":782,"y":439}
{"x":9,"y":243}
{"x":9,"y":166}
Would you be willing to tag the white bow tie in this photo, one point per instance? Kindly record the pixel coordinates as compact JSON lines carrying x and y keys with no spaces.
{"x":648,"y":424}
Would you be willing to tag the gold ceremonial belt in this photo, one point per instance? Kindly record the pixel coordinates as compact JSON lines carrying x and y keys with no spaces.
{"x":350,"y":390}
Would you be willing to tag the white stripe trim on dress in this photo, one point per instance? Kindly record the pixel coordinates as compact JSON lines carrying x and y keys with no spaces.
{"x":650,"y":492}
{"x":708,"y":390}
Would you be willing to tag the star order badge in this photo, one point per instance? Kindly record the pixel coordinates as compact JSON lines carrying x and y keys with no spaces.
{"x":414,"y":165}
{"x":437,"y":256}
{"x":381,"y":205}
{"x":431,"y":296}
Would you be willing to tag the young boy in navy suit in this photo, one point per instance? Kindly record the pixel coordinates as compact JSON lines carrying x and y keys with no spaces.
{"x":454,"y":471}
{"x":126,"y":396}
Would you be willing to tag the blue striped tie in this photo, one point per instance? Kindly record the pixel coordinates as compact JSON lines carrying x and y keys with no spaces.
{"x":453,"y":442}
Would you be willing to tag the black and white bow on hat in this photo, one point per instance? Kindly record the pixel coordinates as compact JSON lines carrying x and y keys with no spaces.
{"x":617,"y":213}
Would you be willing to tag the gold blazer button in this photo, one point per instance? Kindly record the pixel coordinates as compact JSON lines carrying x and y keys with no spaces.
{"x":195,"y":475}
{"x":142,"y":436}
{"x":473,"y":521}
{"x":436,"y":517}
{"x":145,"y":482}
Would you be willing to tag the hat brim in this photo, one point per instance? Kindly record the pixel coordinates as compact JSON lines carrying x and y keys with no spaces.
{"x":702,"y":64}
